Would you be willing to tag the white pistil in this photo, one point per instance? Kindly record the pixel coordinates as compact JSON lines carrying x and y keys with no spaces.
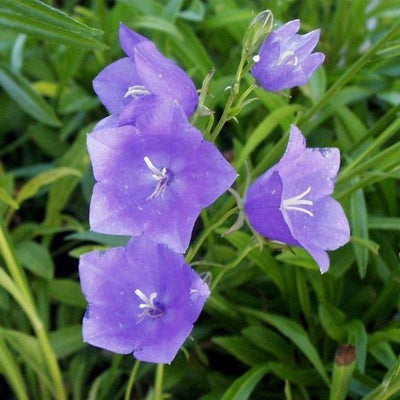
{"x":256,"y":58}
{"x":283,"y":58}
{"x":136,"y":91}
{"x":148,"y":306}
{"x":293,"y":203}
{"x":160,"y":176}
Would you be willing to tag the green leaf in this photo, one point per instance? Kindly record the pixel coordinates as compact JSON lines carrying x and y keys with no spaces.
{"x":383,"y":353}
{"x":228,"y":18}
{"x":242,"y":349}
{"x":359,"y":338}
{"x":76,"y":157}
{"x":21,"y":91}
{"x":7,"y":199}
{"x":241,"y":389}
{"x":263,"y":130}
{"x":195,"y":12}
{"x":299,"y":257}
{"x":9,"y":369}
{"x":108,"y":240}
{"x":157,"y":24}
{"x":27,"y":347}
{"x":269,"y":341}
{"x":389,"y":386}
{"x":359,"y":222}
{"x":295,"y":333}
{"x":67,"y":291}
{"x":52,"y":16}
{"x":42,"y":27}
{"x":35,"y":258}
{"x":384,"y":223}
{"x":45,"y":178}
{"x":333,"y":321}
{"x":66,"y":341}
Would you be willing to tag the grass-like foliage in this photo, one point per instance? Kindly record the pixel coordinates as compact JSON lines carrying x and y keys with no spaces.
{"x":273,"y":327}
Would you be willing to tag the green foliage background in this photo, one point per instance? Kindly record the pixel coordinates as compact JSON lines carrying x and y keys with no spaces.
{"x":272,"y":326}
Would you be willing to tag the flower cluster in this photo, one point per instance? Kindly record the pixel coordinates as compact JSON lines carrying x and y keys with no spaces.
{"x":154,"y":174}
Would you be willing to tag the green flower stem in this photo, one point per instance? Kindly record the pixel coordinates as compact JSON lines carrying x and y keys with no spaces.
{"x":158,"y":382}
{"x":242,"y":255}
{"x":202,"y":98}
{"x":22,"y":294}
{"x":234,"y":92}
{"x":196,"y":247}
{"x":10,"y":259}
{"x":12,"y":372}
{"x":131,"y":380}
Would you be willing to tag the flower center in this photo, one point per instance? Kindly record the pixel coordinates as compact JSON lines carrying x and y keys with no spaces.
{"x":163,"y":178}
{"x":287,"y":58}
{"x":136,"y":91}
{"x":293,"y":203}
{"x":150,"y":309}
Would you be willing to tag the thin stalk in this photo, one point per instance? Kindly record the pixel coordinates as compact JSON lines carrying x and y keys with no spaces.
{"x":196,"y":247}
{"x":131,"y":380}
{"x":12,"y":372}
{"x":27,"y":303}
{"x":234,"y":92}
{"x":158,"y":382}
{"x":15,"y":270}
{"x":202,"y":98}
{"x":242,"y":255}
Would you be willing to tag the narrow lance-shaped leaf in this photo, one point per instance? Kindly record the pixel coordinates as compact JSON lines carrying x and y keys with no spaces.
{"x":50,"y":15}
{"x":295,"y":333}
{"x":43,"y":30}
{"x":242,"y":388}
{"x":21,"y":91}
{"x":359,"y":223}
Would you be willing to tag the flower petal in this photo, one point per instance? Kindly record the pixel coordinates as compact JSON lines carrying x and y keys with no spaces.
{"x":129,"y":39}
{"x":328,"y":228}
{"x":163,"y":77}
{"x":314,"y":168}
{"x":320,"y":256}
{"x":303,"y":45}
{"x":312,"y":62}
{"x":112,"y":83}
{"x":263,"y":208}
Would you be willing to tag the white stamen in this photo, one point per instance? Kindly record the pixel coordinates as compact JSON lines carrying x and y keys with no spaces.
{"x":136,"y":91}
{"x":150,"y":309}
{"x":256,"y":58}
{"x":160,"y":176}
{"x":283,"y":58}
{"x":293,"y":202}
{"x":151,"y":166}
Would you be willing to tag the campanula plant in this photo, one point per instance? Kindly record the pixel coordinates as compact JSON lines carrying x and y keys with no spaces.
{"x":212,"y":263}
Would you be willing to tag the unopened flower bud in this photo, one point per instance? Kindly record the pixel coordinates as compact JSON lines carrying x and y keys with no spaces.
{"x":258,"y":30}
